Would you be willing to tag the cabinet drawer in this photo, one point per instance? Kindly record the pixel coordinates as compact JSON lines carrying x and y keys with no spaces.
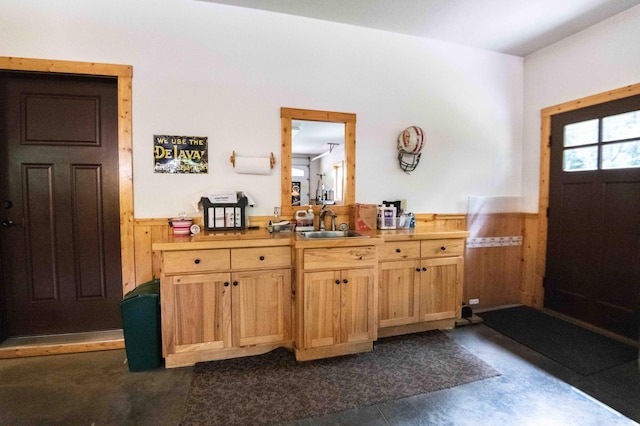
{"x":195,"y":261}
{"x":399,"y":250}
{"x":340,"y":257}
{"x":441,"y":248}
{"x":261,"y":257}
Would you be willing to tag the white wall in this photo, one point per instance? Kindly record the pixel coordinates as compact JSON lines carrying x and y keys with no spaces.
{"x":601,"y":58}
{"x":224,"y":72}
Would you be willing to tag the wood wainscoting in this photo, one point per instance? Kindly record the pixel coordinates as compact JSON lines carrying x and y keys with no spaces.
{"x":500,"y":265}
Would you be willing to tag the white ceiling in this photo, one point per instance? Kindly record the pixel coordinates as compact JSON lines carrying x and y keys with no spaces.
{"x":515,"y":27}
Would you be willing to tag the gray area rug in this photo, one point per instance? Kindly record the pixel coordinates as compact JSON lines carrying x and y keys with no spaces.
{"x":273,"y":387}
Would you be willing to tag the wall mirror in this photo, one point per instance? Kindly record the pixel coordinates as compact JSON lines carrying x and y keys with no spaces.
{"x":319,"y":147}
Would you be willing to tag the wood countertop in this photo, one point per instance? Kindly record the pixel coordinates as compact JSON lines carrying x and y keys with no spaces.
{"x":225,"y":239}
{"x":420,"y":233}
{"x":262,"y":238}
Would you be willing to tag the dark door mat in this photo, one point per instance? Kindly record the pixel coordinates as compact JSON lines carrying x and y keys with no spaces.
{"x":577,"y":348}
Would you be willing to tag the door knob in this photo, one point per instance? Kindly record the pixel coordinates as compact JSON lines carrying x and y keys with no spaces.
{"x":6,"y":204}
{"x":9,"y":223}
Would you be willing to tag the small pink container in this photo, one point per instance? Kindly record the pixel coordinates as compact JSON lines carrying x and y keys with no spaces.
{"x":181,"y":225}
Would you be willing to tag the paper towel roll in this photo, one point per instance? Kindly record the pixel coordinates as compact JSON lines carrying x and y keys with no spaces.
{"x":253,"y":165}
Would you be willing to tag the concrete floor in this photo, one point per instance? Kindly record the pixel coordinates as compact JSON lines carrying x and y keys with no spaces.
{"x":97,"y":388}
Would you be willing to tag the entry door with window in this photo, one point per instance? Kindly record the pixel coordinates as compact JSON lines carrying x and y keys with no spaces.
{"x":60,"y":234}
{"x":593,"y":251}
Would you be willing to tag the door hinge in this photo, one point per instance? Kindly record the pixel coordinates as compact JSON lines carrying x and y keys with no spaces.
{"x":549,"y":140}
{"x":547,"y":212}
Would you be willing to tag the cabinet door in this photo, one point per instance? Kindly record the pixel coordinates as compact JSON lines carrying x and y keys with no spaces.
{"x":201,"y":311}
{"x":439,"y":288}
{"x":261,"y":307}
{"x":321,"y":309}
{"x":399,"y":293}
{"x":358,"y":311}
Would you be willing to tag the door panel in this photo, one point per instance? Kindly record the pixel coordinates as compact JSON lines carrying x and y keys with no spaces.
{"x":399,"y":293}
{"x":261,"y":306}
{"x":202,"y":304}
{"x":357,"y":312}
{"x":322,"y":308}
{"x":593,"y":248}
{"x":61,"y":261}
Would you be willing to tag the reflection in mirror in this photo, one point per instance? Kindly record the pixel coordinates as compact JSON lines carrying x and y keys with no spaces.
{"x":318,"y":159}
{"x":317,"y":162}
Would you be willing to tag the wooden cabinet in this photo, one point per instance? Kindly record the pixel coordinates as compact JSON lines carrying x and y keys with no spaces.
{"x":260,"y":307}
{"x":440,"y":280}
{"x":336,"y":301}
{"x":399,"y":288}
{"x":209,"y":315}
{"x":420,"y":285}
{"x":234,"y":298}
{"x":201,"y":308}
{"x":338,"y":307}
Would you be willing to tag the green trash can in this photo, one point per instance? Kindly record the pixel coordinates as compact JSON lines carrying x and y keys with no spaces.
{"x":140,"y":310}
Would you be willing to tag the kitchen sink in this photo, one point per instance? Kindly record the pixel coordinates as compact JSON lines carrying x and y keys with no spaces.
{"x":331,"y":234}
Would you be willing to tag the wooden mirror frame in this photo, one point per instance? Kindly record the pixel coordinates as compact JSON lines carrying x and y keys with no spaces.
{"x":349,"y":120}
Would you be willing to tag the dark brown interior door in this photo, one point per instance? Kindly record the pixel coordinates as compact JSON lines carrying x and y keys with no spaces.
{"x":60,"y":233}
{"x":593,"y":249}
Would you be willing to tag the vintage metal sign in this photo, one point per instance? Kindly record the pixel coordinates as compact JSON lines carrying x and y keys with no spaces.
{"x":180,"y":154}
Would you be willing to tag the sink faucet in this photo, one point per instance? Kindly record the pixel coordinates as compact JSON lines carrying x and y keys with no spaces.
{"x":325,"y":211}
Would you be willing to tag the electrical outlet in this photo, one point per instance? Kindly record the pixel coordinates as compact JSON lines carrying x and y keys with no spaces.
{"x":474,"y":301}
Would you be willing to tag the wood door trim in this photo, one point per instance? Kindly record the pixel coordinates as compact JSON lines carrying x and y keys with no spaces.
{"x":124,"y":74}
{"x":545,"y":156}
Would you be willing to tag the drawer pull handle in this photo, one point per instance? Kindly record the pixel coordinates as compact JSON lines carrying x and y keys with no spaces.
{"x":398,"y":250}
{"x":197,"y":261}
{"x":261,"y":257}
{"x":443,"y":248}
{"x":235,"y":283}
{"x":226,"y":283}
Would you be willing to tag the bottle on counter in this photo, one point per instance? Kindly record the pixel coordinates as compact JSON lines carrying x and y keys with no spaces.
{"x":304,"y":220}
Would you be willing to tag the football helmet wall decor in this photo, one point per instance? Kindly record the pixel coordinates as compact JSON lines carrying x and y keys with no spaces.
{"x":410,"y":143}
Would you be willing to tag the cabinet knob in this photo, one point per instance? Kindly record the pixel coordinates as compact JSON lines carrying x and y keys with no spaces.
{"x":346,"y":281}
{"x":235,"y":283}
{"x":338,"y":282}
{"x":398,"y":250}
{"x":261,"y":257}
{"x":197,"y":261}
{"x":424,"y":268}
{"x":226,"y":283}
{"x":443,"y":248}
{"x":417,"y":269}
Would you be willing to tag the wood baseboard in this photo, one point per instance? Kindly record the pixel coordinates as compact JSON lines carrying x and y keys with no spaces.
{"x":418,"y":327}
{"x":19,"y":351}
{"x":334,"y":350}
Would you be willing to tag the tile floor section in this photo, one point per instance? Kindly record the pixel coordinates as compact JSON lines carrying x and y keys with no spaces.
{"x":97,"y":388}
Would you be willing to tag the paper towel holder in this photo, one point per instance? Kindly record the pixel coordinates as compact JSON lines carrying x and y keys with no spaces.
{"x":272,"y":159}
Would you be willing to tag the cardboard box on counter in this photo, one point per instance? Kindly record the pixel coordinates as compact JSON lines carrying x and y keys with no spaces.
{"x":363,"y":217}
